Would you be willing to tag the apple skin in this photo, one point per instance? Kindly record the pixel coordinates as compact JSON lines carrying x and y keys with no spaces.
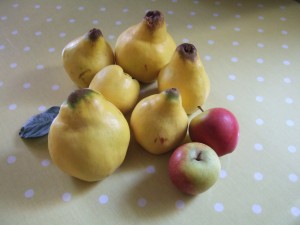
{"x":217,"y":128}
{"x":194,"y":167}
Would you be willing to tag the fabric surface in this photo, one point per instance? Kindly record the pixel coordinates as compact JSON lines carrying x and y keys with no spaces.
{"x":251,"y":52}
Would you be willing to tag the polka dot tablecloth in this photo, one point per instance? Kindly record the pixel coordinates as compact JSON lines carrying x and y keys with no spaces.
{"x":251,"y":52}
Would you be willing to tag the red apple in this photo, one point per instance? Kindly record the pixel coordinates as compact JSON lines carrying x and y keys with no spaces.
{"x":217,"y":128}
{"x":194,"y":168}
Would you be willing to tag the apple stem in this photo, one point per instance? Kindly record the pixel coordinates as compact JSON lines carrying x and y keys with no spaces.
{"x":198,"y":158}
{"x":199,"y":107}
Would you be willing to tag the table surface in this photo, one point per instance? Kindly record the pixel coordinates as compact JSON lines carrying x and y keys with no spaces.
{"x":251,"y":52}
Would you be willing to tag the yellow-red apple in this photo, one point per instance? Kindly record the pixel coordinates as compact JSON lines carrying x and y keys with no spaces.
{"x":194,"y":168}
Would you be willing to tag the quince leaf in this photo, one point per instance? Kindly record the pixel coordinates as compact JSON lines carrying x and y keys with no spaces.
{"x":39,"y":125}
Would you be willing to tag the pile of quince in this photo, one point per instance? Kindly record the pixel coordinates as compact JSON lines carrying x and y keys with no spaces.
{"x":90,"y":136}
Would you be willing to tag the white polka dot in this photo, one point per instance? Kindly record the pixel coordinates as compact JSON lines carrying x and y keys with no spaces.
{"x":80,"y":8}
{"x":258,"y":176}
{"x":42,"y":108}
{"x":3,"y":18}
{"x":192,"y":13}
{"x":290,"y":123}
{"x":150,"y":169}
{"x":170,"y":12}
{"x":282,"y":7}
{"x":49,"y":19}
{"x":111,"y":37}
{"x":15,"y":5}
{"x":285,"y":46}
{"x":45,"y":162}
{"x":38,"y":33}
{"x":72,"y":20}
{"x":292,"y":149}
{"x":14,"y":32}
{"x":237,"y":16}
{"x":179,"y":204}
{"x":235,"y":43}
{"x":260,"y":45}
{"x":207,"y":57}
{"x":260,"y":17}
{"x":118,"y":22}
{"x":210,"y":42}
{"x":103,"y":199}
{"x":26,"y":49}
{"x":62,"y":34}
{"x":237,"y":29}
{"x":26,"y":18}
{"x":12,"y":106}
{"x":289,"y":100}
{"x":260,"y":79}
{"x":102,"y":9}
{"x":29,"y":193}
{"x":259,"y":98}
{"x":283,"y":19}
{"x":2,"y":47}
{"x":39,"y":67}
{"x":256,"y":209}
{"x":293,"y":177}
{"x":51,"y":49}
{"x":216,"y":14}
{"x":284,"y":32}
{"x":259,"y":121}
{"x":287,"y":80}
{"x":232,"y":77}
{"x":66,"y":197}
{"x":223,"y":174}
{"x":125,"y":10}
{"x":260,"y":60}
{"x":37,"y":6}
{"x":219,"y":207}
{"x":234,"y":59}
{"x":142,"y":202}
{"x":1,"y":83}
{"x":260,"y":5}
{"x":58,"y":7}
{"x":295,"y":211}
{"x":11,"y":159}
{"x":260,"y":30}
{"x":95,"y":22}
{"x":55,"y":87}
{"x":185,"y":40}
{"x":286,"y":62}
{"x":189,"y":26}
{"x":258,"y":147}
{"x":213,"y":27}
{"x":26,"y":85}
{"x":13,"y":65}
{"x":230,"y":97}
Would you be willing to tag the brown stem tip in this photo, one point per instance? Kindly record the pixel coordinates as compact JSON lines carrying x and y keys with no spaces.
{"x":94,"y":34}
{"x":154,"y":18}
{"x":187,"y":51}
{"x":172,"y":93}
{"x":77,"y":95}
